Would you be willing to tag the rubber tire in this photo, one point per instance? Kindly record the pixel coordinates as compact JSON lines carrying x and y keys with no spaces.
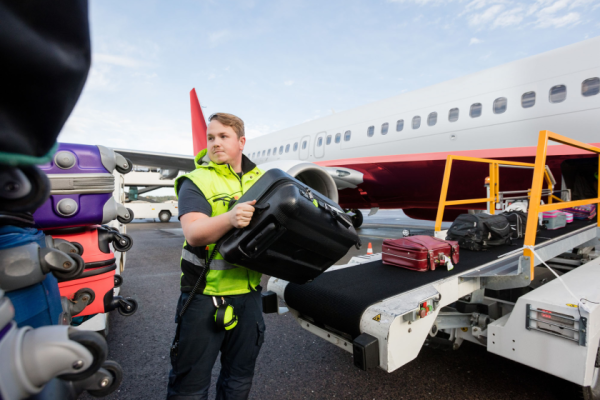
{"x":134,"y":309}
{"x":117,"y":372}
{"x":591,"y":392}
{"x":118,"y":281}
{"x":79,"y":247}
{"x":127,"y":170}
{"x":164,"y":216}
{"x":69,"y":276}
{"x":126,"y":220}
{"x":357,"y":219}
{"x":40,"y":191}
{"x":96,"y":345}
{"x":126,"y":247}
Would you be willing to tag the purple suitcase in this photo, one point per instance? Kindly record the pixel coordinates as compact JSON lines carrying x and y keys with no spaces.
{"x":82,"y":185}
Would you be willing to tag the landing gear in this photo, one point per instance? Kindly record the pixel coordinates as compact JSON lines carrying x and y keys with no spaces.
{"x":357,"y":218}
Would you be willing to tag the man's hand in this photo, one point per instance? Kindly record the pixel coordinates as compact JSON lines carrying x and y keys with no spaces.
{"x":241,"y":214}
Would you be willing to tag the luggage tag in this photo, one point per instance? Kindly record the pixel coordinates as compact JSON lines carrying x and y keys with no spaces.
{"x":448,"y":261}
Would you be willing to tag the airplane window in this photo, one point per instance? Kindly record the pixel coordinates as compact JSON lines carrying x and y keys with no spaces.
{"x":287,"y":148}
{"x":475,"y":110}
{"x":453,"y":115}
{"x":432,"y":119}
{"x":384,"y":128}
{"x":416,"y":123}
{"x":280,"y":149}
{"x":338,"y":137}
{"x":399,"y":125}
{"x":275,"y":151}
{"x":347,"y":136}
{"x":269,"y":153}
{"x":264,"y":153}
{"x":558,"y":94}
{"x":500,"y":105}
{"x":528,"y":99}
{"x":370,"y":131}
{"x":253,"y":154}
{"x":304,"y":145}
{"x":320,"y":142}
{"x":590,"y":87}
{"x":296,"y":146}
{"x":328,"y":141}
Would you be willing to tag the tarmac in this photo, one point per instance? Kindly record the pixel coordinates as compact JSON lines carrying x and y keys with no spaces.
{"x":294,"y":364}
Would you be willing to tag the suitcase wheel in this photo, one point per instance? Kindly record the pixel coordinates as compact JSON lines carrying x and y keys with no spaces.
{"x":72,"y":274}
{"x":124,"y":219}
{"x":116,"y":371}
{"x":96,"y":345}
{"x":124,"y":168}
{"x":118,"y":281}
{"x":122,"y":242}
{"x":127,"y":306}
{"x":23,"y":189}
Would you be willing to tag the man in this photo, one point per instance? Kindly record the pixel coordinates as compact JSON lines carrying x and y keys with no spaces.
{"x":222,"y":175}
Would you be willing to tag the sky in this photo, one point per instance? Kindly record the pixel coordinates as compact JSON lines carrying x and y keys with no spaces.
{"x":277,"y":64}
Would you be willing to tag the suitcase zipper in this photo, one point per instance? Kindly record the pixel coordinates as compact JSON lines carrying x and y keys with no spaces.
{"x":407,"y":258}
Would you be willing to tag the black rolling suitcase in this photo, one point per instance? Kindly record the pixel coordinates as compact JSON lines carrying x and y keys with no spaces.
{"x":295,"y":234}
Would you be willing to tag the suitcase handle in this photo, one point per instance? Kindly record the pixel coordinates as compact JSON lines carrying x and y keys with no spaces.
{"x":261,"y":207}
{"x":262,"y":237}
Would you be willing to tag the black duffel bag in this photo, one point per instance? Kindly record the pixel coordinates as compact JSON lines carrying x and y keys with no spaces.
{"x":479,"y":232}
{"x":295,"y":234}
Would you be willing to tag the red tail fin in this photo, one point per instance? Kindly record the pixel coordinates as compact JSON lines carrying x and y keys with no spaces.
{"x":198,"y":124}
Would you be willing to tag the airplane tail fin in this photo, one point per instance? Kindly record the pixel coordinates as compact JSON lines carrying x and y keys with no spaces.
{"x":198,"y":124}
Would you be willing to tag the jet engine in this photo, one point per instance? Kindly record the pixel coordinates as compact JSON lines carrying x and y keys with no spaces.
{"x":325,"y":180}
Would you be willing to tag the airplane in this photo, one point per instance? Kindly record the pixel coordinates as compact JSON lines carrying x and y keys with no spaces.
{"x":391,"y":154}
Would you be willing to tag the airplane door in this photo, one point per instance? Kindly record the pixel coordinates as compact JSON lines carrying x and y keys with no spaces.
{"x":319,"y":149}
{"x":304,"y":147}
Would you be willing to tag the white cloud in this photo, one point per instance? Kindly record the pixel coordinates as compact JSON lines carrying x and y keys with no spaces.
{"x":211,"y":76}
{"x":475,"y":41}
{"x":485,"y":18}
{"x":288,"y":83}
{"x":511,"y":17}
{"x":571,"y":18}
{"x":121,"y":61}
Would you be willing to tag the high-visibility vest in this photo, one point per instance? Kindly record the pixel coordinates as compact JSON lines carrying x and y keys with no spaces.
{"x":220,"y":185}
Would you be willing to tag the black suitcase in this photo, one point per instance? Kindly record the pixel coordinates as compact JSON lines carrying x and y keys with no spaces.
{"x":479,"y":232}
{"x":295,"y":234}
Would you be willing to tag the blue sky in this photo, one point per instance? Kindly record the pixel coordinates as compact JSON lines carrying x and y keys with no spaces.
{"x":280,"y":63}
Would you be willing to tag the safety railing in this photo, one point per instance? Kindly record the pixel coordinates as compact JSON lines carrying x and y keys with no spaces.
{"x":541,"y":175}
{"x":536,"y":187}
{"x":494,"y":185}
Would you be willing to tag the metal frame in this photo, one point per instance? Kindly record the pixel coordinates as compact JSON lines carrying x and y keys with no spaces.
{"x":536,"y":187}
{"x":495,"y":195}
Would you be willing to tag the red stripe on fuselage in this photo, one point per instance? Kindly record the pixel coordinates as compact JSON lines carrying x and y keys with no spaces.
{"x":509,"y":152}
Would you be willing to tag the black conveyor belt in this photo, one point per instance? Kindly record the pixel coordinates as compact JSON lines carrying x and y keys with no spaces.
{"x":339,"y":298}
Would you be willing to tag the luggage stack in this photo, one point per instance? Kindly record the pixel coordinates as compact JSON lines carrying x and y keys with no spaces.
{"x":41,"y":355}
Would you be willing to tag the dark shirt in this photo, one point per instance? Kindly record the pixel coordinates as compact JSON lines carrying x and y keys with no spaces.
{"x":191,"y":199}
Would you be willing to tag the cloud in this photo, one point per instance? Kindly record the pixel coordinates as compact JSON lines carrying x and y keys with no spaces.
{"x":475,"y":41}
{"x":511,"y":17}
{"x":572,"y":18}
{"x":121,"y":61}
{"x":485,"y":18}
{"x":211,"y":77}
{"x":288,"y":83}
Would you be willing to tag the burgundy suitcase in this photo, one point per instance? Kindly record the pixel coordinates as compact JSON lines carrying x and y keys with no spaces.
{"x":419,"y":253}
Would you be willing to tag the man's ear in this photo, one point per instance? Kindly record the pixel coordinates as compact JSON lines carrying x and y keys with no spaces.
{"x":242,"y":142}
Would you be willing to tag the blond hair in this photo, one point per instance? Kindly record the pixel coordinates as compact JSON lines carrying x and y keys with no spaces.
{"x":230,"y":120}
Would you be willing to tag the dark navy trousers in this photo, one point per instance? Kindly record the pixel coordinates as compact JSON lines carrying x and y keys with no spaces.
{"x":199,"y":344}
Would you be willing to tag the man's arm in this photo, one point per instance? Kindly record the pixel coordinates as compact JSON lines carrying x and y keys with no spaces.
{"x":199,"y":229}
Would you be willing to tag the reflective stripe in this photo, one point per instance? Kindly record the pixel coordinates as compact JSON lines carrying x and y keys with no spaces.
{"x":215,"y":265}
{"x":191,"y":257}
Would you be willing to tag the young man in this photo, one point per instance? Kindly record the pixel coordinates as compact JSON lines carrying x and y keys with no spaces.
{"x":222,"y":175}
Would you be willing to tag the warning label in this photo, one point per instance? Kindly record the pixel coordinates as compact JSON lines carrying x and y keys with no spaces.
{"x":377,"y":318}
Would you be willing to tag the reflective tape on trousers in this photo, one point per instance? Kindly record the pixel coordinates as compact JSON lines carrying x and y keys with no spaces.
{"x":215,"y":265}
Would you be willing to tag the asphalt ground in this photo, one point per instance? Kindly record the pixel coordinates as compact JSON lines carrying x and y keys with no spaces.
{"x":294,"y":364}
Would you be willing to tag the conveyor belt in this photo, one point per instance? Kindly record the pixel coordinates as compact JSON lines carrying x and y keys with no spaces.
{"x":338,"y":299}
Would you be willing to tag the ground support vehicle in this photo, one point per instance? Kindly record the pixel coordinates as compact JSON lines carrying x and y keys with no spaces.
{"x":504,"y":299}
{"x":163,"y":211}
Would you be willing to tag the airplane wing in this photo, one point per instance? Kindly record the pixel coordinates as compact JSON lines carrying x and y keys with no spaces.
{"x":159,"y":160}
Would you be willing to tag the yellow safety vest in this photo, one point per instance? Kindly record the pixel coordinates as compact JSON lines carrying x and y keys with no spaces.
{"x":220,"y":185}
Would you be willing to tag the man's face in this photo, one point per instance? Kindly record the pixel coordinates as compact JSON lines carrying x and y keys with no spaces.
{"x":223,"y":143}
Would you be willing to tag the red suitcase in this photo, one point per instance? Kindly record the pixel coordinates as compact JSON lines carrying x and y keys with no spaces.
{"x":419,"y":253}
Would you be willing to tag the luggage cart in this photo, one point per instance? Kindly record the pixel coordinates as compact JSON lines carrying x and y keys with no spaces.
{"x":501,"y":299}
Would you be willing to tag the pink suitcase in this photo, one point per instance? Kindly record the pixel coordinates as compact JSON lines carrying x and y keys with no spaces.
{"x":554,"y":220}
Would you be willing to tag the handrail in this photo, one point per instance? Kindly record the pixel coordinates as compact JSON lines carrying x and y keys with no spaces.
{"x":494,"y":184}
{"x":536,"y":187}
